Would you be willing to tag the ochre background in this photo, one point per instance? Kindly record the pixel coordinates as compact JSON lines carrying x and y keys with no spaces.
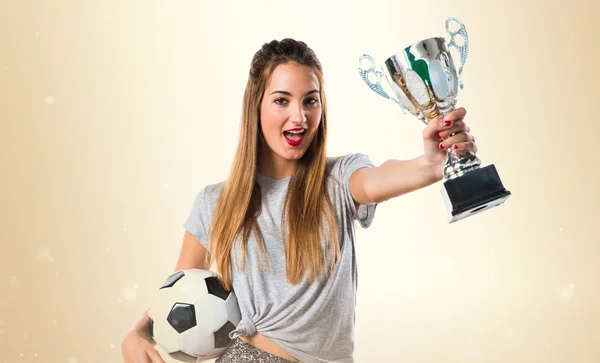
{"x":115,"y":114}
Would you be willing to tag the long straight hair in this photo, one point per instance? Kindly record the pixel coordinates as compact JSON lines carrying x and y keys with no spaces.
{"x":307,"y":200}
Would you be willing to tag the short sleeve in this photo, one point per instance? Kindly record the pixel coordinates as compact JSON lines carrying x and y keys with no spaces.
{"x":348,"y":165}
{"x":197,"y":220}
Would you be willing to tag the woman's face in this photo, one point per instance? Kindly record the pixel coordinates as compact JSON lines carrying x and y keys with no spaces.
{"x":290,"y":111}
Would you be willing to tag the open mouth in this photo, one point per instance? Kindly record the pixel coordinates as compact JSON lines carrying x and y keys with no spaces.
{"x":294,"y":137}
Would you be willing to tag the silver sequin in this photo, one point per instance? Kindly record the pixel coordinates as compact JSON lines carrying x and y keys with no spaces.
{"x":241,"y":352}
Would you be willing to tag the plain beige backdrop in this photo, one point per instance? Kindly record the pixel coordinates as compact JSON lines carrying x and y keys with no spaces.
{"x":114,"y":114}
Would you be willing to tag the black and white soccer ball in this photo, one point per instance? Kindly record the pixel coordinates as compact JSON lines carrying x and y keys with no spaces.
{"x":192,"y":315}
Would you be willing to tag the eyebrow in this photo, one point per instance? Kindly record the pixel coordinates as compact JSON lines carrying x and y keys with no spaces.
{"x":289,"y":94}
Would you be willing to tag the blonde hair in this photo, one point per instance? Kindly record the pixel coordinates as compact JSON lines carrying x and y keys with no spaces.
{"x":307,"y":199}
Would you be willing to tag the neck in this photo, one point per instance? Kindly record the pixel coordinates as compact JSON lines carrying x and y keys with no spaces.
{"x":274,"y":166}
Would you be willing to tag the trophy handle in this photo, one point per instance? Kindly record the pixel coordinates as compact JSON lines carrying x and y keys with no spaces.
{"x":463,"y":50}
{"x":376,"y":87}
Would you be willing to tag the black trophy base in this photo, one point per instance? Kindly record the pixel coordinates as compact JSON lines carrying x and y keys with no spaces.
{"x":474,"y":192}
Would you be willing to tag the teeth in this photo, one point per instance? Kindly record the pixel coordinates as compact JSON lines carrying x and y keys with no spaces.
{"x":296,"y":131}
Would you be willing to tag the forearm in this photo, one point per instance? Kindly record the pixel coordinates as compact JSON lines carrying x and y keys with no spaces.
{"x":394,"y":178}
{"x":144,"y":327}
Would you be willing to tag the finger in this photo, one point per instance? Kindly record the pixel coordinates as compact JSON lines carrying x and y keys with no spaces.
{"x":455,"y":115}
{"x":430,"y":132}
{"x":456,"y":127}
{"x":155,"y":356}
{"x":455,"y":139}
{"x":465,"y":146}
{"x":449,"y":121}
{"x":144,"y":358}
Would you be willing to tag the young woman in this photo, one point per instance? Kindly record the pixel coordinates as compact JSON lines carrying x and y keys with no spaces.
{"x":281,"y":228}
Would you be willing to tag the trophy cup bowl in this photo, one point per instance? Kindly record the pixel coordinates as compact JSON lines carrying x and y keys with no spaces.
{"x":424,"y":81}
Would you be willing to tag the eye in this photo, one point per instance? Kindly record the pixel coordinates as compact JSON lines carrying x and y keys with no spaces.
{"x":281,"y":101}
{"x":312,"y":101}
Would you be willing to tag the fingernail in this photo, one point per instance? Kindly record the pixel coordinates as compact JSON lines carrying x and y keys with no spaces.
{"x":442,"y":146}
{"x":447,"y":123}
{"x":455,"y":146}
{"x":438,"y":136}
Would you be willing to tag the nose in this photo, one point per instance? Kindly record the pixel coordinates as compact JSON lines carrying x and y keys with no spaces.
{"x":298,"y":114}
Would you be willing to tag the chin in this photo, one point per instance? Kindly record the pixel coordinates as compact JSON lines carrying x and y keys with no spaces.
{"x":295,"y":155}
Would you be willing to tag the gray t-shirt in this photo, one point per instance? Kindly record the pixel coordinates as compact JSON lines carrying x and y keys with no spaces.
{"x":312,"y":322}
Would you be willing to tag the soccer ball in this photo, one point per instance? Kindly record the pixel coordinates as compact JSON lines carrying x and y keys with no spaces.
{"x":192,"y":315}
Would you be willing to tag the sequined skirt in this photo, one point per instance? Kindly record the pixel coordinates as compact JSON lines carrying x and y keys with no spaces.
{"x":241,"y":352}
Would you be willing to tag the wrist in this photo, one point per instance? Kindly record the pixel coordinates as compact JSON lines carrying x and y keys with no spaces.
{"x":431,"y":170}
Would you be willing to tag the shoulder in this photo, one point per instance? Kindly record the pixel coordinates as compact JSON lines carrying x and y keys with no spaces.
{"x":214,"y":189}
{"x":342,"y":166}
{"x":208,"y":196}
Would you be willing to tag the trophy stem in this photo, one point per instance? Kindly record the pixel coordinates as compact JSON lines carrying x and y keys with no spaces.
{"x":458,"y":163}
